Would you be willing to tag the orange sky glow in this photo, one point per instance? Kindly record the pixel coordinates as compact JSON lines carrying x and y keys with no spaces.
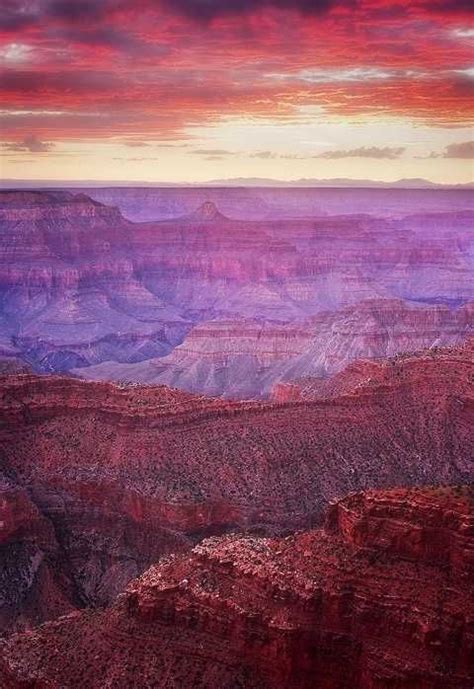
{"x":194,"y":90}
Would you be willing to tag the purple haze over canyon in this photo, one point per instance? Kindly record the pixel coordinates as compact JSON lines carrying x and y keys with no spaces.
{"x":228,"y":291}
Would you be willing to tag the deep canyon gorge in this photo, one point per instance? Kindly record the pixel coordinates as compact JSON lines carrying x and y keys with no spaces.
{"x":230,"y":306}
{"x":236,"y":439}
{"x":236,"y":344}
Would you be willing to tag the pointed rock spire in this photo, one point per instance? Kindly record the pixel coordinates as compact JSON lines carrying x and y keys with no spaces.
{"x":207,"y":211}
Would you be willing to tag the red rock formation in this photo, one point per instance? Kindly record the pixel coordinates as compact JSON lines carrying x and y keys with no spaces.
{"x":34,"y":583}
{"x":335,"y":608}
{"x":128,"y":474}
{"x":362,"y":373}
{"x":207,"y":211}
{"x":435,"y":526}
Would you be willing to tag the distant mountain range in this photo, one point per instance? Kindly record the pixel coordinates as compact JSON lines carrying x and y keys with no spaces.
{"x":412,"y":183}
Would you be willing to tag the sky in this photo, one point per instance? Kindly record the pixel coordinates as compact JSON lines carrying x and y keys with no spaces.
{"x":187,"y":91}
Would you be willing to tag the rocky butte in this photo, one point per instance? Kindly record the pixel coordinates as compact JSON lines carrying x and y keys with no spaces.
{"x":377,"y":598}
{"x":100,"y":481}
{"x":271,"y":203}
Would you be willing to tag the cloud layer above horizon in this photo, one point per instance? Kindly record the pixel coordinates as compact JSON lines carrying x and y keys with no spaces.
{"x":90,"y":80}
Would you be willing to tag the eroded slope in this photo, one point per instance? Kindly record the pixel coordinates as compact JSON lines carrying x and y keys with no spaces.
{"x":125,"y":475}
{"x":345,"y":607}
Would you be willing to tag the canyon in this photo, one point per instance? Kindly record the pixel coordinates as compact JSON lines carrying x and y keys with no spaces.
{"x":379,"y":597}
{"x":236,"y":445}
{"x":236,"y":344}
{"x":248,"y":358}
{"x":141,"y":204}
{"x":100,"y":481}
{"x":225,"y":304}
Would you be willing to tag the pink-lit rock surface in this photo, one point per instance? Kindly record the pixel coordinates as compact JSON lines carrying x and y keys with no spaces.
{"x":348,"y":606}
{"x":247,"y":358}
{"x":83,"y":286}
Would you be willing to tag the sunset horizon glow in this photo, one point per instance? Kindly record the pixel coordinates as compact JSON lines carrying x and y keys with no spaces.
{"x":196,"y":90}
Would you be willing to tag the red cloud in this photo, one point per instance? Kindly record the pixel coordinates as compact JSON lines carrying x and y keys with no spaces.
{"x":148,"y":68}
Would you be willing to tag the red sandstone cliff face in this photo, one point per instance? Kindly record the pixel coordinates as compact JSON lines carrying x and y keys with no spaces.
{"x":325,"y":607}
{"x":435,"y":526}
{"x":127,"y":474}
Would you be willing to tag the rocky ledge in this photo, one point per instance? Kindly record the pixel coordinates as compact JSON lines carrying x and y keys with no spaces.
{"x":319,"y":606}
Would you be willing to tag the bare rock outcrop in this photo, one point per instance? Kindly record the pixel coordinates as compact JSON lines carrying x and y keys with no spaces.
{"x":248,"y":359}
{"x":319,"y":606}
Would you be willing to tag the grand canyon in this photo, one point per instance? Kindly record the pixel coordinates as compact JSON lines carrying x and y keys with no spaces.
{"x":236,"y":344}
{"x":230,"y":306}
{"x":236,"y":452}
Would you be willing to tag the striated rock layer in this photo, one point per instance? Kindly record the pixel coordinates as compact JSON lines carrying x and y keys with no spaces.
{"x":247,"y":358}
{"x":263,"y":203}
{"x":126,"y":474}
{"x":359,"y":374}
{"x":80,"y":286}
{"x":379,"y":598}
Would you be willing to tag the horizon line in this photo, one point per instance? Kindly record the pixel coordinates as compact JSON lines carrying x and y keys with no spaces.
{"x":411,"y":183}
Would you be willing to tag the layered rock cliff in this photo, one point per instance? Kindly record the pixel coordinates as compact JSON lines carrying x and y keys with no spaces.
{"x":34,"y":582}
{"x":350,"y":606}
{"x":127,"y":474}
{"x":81,"y":285}
{"x":248,"y":358}
{"x":361,"y":373}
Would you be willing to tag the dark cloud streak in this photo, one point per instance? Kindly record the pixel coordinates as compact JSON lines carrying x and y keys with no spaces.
{"x":15,"y":17}
{"x":78,"y":13}
{"x":448,"y":6}
{"x":77,"y":10}
{"x":206,"y":10}
{"x":462,"y":150}
{"x":30,"y":143}
{"x":384,"y":153}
